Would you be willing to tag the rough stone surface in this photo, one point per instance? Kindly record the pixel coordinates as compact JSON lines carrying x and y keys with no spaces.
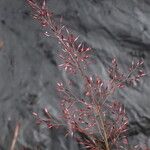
{"x":29,"y":66}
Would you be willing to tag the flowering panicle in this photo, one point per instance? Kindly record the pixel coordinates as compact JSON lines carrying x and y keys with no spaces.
{"x":92,"y":119}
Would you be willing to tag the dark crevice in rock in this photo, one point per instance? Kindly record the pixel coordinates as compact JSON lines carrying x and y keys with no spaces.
{"x":47,"y":52}
{"x":3,"y":22}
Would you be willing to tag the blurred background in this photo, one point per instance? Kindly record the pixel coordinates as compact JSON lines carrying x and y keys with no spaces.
{"x":29,"y":65}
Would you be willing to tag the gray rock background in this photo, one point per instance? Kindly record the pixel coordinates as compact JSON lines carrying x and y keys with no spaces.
{"x":29,"y":66}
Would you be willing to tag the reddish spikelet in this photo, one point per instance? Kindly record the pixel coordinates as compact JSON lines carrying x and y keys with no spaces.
{"x":91,"y":119}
